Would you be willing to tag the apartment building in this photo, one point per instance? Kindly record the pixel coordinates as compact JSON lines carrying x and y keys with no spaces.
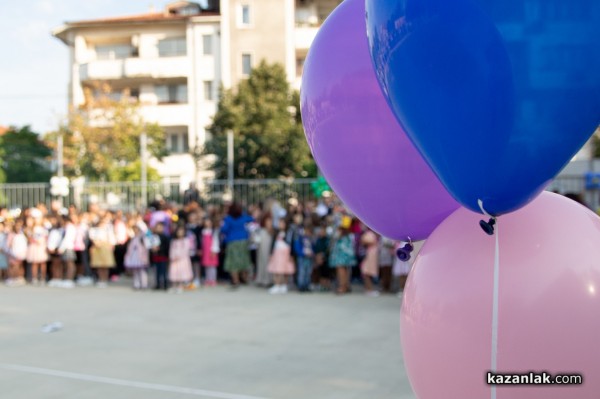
{"x":172,"y":61}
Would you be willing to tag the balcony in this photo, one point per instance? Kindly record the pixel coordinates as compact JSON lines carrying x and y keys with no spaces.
{"x":167,"y":114}
{"x":101,"y":70}
{"x":154,"y":68}
{"x":304,"y":36}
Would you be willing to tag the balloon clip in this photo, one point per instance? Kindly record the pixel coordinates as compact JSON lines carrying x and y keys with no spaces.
{"x":404,"y":252}
{"x":488,"y":226}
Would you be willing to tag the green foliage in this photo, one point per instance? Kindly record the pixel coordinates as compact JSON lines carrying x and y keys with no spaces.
{"x":264,"y":114}
{"x":320,"y":186}
{"x":104,"y":135}
{"x":25,"y":157}
{"x":132,"y":172}
{"x":596,"y":143}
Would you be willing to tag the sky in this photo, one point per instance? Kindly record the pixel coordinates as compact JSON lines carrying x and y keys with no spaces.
{"x":34,"y":66}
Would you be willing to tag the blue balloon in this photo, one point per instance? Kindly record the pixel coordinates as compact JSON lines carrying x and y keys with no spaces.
{"x":497,"y":95}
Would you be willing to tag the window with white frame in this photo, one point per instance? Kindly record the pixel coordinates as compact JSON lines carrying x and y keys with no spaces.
{"x":246,"y":64}
{"x":207,"y":44}
{"x":299,"y":66}
{"x":113,"y":51}
{"x":177,"y":143}
{"x":172,"y":47}
{"x":171,"y":94}
{"x":244,"y":15}
{"x":209,"y":90}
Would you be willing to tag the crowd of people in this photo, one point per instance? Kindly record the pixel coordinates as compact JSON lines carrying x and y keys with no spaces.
{"x":310,"y":246}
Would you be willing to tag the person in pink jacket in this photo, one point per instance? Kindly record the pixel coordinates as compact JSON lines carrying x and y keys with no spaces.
{"x":180,"y":267}
{"x":210,"y":252}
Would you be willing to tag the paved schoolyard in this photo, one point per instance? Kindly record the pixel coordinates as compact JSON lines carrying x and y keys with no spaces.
{"x":212,"y":343}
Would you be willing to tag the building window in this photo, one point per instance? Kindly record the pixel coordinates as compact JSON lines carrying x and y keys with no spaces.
{"x":174,"y":143}
{"x":132,"y":95}
{"x":245,"y":18}
{"x":177,"y":143}
{"x":207,"y":45}
{"x":113,"y":51}
{"x":191,"y":9}
{"x":246,"y":64}
{"x":171,"y":94}
{"x":208,"y":90}
{"x":299,"y":66}
{"x":172,"y":47}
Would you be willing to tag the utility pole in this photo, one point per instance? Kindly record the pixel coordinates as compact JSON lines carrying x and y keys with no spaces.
{"x":59,"y":156}
{"x":144,"y":158}
{"x":230,"y":162}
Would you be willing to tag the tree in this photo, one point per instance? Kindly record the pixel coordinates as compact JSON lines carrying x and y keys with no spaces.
{"x":264,"y":114}
{"x":101,"y":139}
{"x":25,"y":157}
{"x":133,"y":172}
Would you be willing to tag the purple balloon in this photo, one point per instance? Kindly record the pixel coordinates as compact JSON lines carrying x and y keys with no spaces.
{"x":355,"y":139}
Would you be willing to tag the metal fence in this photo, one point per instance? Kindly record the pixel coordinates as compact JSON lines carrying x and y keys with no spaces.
{"x":128,"y":195}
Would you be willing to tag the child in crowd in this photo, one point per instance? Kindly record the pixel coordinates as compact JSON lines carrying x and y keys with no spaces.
{"x":369,"y":264}
{"x":386,"y":260}
{"x":159,"y":248}
{"x":321,"y":256}
{"x":343,"y":257}
{"x":281,"y":264}
{"x":37,"y":254}
{"x":3,"y":252}
{"x":102,"y":256}
{"x":67,"y":251}
{"x":137,"y":259}
{"x":55,"y":237}
{"x":304,"y":256}
{"x":17,"y":249}
{"x":84,"y":273}
{"x":180,"y":268}
{"x":194,"y":231}
{"x":210,"y":252}
{"x":264,"y":241}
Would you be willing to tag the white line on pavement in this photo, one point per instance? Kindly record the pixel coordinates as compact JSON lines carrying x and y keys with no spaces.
{"x":125,"y":383}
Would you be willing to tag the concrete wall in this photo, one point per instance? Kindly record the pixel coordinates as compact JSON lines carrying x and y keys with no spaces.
{"x":267,"y":37}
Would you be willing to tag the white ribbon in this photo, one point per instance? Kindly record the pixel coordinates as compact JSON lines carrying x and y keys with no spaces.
{"x":495,"y":296}
{"x":495,"y":300}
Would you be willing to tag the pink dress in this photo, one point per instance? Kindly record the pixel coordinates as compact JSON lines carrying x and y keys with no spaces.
{"x":281,"y":261}
{"x":209,"y":258}
{"x":137,"y":254}
{"x":180,"y":268}
{"x":36,"y":251}
{"x":369,"y":266}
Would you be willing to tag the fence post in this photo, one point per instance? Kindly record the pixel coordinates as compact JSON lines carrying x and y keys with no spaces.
{"x":144,"y":182}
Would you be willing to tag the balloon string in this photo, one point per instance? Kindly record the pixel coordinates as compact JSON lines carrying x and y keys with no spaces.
{"x":495,"y":296}
{"x":480,"y":203}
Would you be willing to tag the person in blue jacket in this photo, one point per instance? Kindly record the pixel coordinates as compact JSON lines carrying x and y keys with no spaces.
{"x":235,"y":236}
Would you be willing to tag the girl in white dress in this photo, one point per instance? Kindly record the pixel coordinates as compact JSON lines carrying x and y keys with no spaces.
{"x":37,"y":254}
{"x":17,"y":249}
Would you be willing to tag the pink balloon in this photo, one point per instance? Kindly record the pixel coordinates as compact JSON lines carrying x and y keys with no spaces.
{"x":549,"y":303}
{"x":362,"y":151}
